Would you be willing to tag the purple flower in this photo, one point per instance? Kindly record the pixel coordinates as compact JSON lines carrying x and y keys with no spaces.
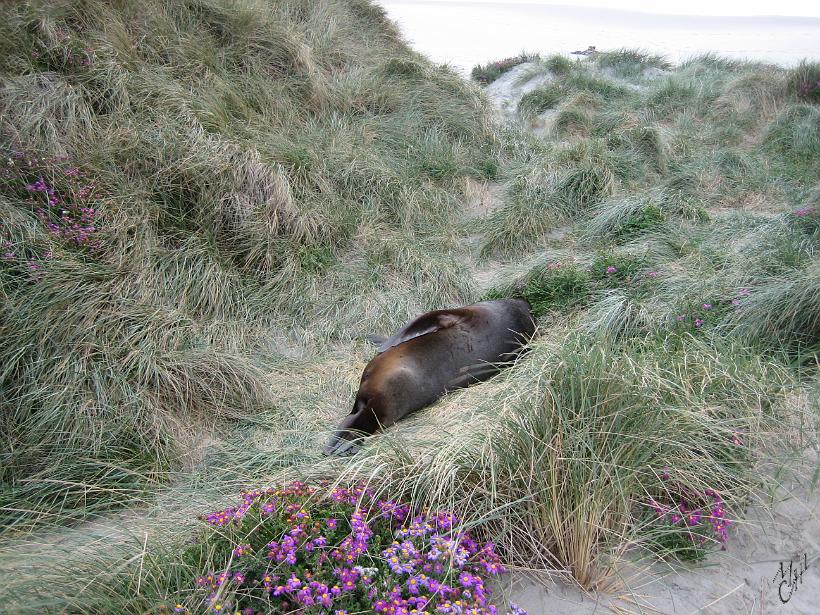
{"x":611,"y":269}
{"x":413,"y":585}
{"x":699,"y":323}
{"x":293,"y":582}
{"x":693,"y":518}
{"x":675,"y":518}
{"x":707,"y":306}
{"x":736,"y":439}
{"x":466,"y":579}
{"x":241,"y":550}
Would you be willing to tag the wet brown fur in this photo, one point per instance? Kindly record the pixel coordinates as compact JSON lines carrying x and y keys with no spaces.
{"x":410,"y":374}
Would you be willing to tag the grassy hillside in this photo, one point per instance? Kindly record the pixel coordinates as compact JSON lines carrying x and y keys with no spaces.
{"x":214,"y":178}
{"x":206,"y":204}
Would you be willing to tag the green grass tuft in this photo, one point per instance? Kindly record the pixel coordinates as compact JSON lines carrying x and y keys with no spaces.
{"x":540,"y":100}
{"x":630,"y":62}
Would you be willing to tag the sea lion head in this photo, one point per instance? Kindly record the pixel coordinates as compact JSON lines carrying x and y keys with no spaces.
{"x":359,"y":424}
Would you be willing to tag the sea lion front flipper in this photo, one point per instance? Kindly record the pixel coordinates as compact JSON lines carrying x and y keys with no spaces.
{"x":424,"y":324}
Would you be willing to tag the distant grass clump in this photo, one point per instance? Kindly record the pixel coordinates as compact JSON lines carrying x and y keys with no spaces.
{"x":622,"y":219}
{"x":671,"y":96}
{"x":487,"y":73}
{"x":630,"y":62}
{"x":558,"y":64}
{"x":795,"y":133}
{"x":557,"y":286}
{"x":600,"y":86}
{"x":804,"y":81}
{"x":540,"y":100}
{"x":572,"y":121}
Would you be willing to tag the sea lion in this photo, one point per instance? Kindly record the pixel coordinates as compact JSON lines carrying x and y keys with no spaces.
{"x":437,"y":352}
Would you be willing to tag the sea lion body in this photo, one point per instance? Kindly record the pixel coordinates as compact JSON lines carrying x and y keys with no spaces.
{"x":437,"y":352}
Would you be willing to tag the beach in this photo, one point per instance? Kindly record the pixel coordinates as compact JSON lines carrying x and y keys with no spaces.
{"x":468,"y":33}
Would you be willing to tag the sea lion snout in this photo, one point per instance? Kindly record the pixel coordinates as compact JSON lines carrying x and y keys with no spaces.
{"x":360,"y":423}
{"x":338,"y":445}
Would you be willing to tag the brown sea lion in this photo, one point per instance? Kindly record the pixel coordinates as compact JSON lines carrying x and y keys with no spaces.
{"x":437,"y":352}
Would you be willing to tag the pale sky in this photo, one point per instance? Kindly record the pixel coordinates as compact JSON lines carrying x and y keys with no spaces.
{"x":802,"y":8}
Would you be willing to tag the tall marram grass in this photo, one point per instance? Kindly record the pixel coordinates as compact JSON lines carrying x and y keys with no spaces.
{"x":560,"y":459}
{"x":252,"y":168}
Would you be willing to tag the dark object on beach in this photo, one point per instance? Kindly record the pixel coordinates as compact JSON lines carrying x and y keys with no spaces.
{"x":588,"y":52}
{"x":437,"y":352}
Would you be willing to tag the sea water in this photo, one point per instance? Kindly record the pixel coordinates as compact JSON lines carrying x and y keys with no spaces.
{"x":464,"y":33}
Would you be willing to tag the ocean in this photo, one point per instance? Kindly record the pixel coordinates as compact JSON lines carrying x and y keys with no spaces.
{"x":464,"y":33}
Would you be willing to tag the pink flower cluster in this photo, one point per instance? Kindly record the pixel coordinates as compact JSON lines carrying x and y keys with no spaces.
{"x":64,"y":202}
{"x":697,"y":511}
{"x":699,"y":318}
{"x":73,"y":222}
{"x":344,"y":551}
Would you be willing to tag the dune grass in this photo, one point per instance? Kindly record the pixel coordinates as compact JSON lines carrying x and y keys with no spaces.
{"x":630,"y":62}
{"x":228,"y":173}
{"x":487,"y":73}
{"x":206,"y":206}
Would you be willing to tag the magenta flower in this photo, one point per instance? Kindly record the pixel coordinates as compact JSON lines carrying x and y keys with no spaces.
{"x":241,"y":550}
{"x":611,"y":269}
{"x":293,"y":582}
{"x":425,"y":547}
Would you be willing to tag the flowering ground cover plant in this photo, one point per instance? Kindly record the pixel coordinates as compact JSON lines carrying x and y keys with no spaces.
{"x":691,"y":521}
{"x":303,"y":550}
{"x":557,"y":286}
{"x":62,"y":196}
{"x":488,"y":73}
